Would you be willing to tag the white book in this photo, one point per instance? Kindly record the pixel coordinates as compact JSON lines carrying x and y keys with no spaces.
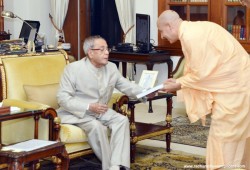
{"x":151,"y":90}
{"x":28,"y":145}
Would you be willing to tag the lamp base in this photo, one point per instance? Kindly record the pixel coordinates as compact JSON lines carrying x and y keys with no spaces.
{"x":31,"y":47}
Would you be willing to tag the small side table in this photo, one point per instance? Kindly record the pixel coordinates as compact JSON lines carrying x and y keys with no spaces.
{"x":16,"y":160}
{"x":16,"y":115}
{"x":149,"y":59}
{"x":140,"y":131}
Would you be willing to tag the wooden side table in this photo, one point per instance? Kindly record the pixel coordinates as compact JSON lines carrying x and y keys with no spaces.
{"x":16,"y":160}
{"x":10,"y":116}
{"x":140,"y":131}
{"x":149,"y":59}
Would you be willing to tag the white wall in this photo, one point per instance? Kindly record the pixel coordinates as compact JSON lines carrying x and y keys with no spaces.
{"x":150,"y":7}
{"x":29,"y":10}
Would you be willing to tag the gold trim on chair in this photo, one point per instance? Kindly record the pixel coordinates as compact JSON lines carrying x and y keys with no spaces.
{"x":4,"y":89}
{"x":80,"y":153}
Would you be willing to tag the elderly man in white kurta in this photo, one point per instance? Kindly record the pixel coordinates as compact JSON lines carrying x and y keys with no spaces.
{"x":85,"y":89}
{"x":216,"y":80}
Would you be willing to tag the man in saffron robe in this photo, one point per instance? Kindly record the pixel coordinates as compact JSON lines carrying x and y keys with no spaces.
{"x":216,"y":80}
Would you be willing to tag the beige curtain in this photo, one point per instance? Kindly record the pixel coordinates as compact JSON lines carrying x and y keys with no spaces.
{"x":125,"y":9}
{"x":59,"y":10}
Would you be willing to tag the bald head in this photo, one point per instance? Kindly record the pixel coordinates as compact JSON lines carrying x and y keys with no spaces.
{"x":168,"y":17}
{"x":168,"y":24}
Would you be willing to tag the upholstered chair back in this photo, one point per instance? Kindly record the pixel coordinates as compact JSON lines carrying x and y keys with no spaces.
{"x":22,"y":76}
{"x":20,"y":71}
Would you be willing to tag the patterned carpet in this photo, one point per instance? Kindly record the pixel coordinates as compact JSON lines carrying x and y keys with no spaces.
{"x":147,"y":158}
{"x":151,"y":158}
{"x":188,"y":134}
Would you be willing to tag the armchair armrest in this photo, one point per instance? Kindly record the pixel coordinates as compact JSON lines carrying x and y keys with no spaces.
{"x":48,"y":113}
{"x":178,"y":72}
{"x":54,"y":123}
{"x":118,"y":101}
{"x":24,"y":104}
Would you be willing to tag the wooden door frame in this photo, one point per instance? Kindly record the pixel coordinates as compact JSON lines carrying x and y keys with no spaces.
{"x":1,"y":18}
{"x":77,"y":26}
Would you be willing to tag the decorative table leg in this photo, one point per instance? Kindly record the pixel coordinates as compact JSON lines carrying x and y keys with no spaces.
{"x":33,"y":165}
{"x":150,"y":66}
{"x":132,"y":152}
{"x":15,"y":165}
{"x":61,"y":159}
{"x":168,"y":140}
{"x":133,"y":137}
{"x":168,"y":122}
{"x":64,"y":160}
{"x":150,"y":108}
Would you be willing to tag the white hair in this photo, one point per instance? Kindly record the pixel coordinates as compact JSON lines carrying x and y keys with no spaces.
{"x":90,"y":42}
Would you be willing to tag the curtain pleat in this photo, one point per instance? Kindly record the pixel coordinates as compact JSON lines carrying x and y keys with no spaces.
{"x":59,"y":10}
{"x":125,"y":9}
{"x":126,"y":13}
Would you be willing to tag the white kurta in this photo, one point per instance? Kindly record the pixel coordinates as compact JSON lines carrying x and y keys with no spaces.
{"x":82,"y":84}
{"x":216,"y":80}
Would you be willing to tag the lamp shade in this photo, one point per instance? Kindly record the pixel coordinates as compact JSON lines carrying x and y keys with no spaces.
{"x":8,"y":14}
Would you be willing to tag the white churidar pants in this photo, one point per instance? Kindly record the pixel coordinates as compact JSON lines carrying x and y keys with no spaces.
{"x":114,"y":150}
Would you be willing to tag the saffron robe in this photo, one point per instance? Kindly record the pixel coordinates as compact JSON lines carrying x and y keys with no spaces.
{"x":216,"y":80}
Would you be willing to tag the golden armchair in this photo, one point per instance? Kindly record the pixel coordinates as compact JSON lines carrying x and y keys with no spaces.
{"x":178,"y":71}
{"x":31,"y":81}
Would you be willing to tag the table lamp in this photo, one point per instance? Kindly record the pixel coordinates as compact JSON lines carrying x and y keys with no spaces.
{"x":9,"y":14}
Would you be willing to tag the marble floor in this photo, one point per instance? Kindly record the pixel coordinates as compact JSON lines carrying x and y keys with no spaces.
{"x":158,"y":115}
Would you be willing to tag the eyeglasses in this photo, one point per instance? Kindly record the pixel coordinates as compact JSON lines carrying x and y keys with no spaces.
{"x":102,"y":50}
